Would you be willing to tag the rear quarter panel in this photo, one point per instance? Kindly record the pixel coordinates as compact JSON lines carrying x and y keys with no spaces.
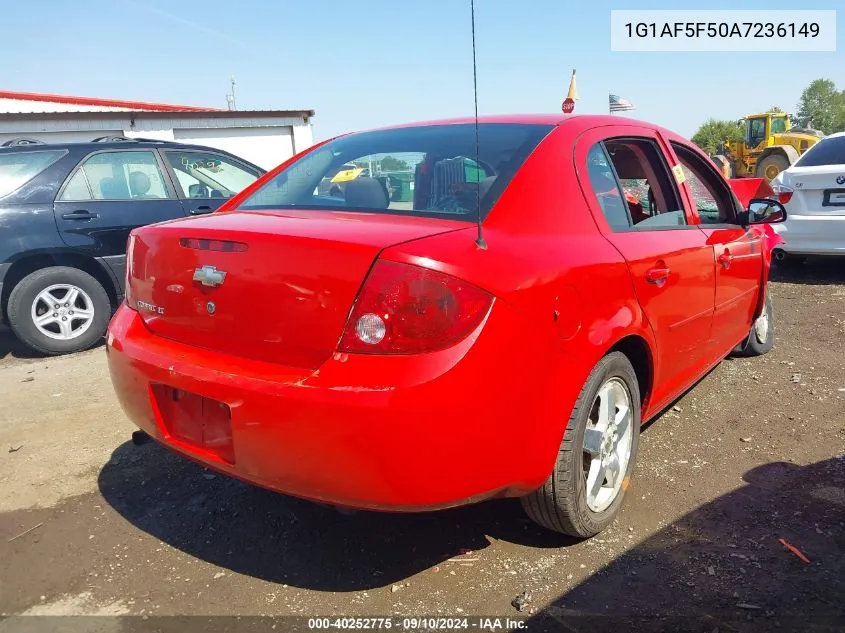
{"x":546,"y":260}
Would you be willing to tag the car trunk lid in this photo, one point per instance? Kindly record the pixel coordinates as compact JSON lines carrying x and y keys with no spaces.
{"x":269,"y":286}
{"x":817,"y":190}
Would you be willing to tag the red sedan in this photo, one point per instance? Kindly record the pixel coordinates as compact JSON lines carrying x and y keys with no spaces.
{"x":492,"y":310}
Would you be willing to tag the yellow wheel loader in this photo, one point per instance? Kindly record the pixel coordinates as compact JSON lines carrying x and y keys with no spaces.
{"x":770,"y":145}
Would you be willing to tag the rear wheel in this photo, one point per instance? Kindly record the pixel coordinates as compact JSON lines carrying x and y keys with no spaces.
{"x":772,"y":165}
{"x":596,"y":458}
{"x":58,"y":310}
{"x":761,"y":338}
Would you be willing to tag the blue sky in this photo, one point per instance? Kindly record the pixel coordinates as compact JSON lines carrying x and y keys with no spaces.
{"x":366,"y":64}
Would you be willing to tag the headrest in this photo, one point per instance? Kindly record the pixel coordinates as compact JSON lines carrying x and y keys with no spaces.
{"x":139,"y":182}
{"x":366,"y":192}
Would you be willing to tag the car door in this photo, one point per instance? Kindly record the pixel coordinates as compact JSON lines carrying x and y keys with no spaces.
{"x":737,"y":251}
{"x":206,"y":179}
{"x":639,"y":209}
{"x":107,"y":195}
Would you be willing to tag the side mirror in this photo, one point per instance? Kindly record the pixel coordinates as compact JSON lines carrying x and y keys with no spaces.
{"x":765,"y":211}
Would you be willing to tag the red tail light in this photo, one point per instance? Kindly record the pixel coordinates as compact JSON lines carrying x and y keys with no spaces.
{"x":129,"y":298}
{"x":405,"y":309}
{"x":783,"y":193}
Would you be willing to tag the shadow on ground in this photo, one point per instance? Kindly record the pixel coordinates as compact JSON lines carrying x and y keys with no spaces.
{"x":11,"y":346}
{"x":285,"y":540}
{"x":814,"y":271}
{"x":722,"y":567}
{"x":719,"y":568}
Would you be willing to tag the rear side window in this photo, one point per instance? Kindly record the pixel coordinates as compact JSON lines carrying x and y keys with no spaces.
{"x":18,"y":168}
{"x":432,"y":171}
{"x":124,"y":175}
{"x":828,"y":151}
{"x":632,"y":184}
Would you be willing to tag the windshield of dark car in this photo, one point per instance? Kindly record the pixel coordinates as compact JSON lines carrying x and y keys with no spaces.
{"x":828,"y":151}
{"x":433,"y":171}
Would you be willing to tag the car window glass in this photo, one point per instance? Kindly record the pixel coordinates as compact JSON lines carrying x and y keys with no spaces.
{"x":209,"y":175}
{"x":651,"y":199}
{"x":454,"y":171}
{"x":828,"y":151}
{"x":396,"y":173}
{"x":77,"y":187}
{"x":18,"y":168}
{"x":778,"y":125}
{"x":713,"y":199}
{"x":124,"y":175}
{"x":606,"y":189}
{"x":756,"y":131}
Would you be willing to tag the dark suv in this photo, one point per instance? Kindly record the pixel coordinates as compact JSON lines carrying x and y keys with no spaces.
{"x":66,"y":211}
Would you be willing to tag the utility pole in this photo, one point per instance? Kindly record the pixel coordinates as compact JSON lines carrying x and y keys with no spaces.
{"x":230,"y":98}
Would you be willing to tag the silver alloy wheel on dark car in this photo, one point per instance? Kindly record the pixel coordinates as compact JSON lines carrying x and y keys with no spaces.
{"x":62,"y":311}
{"x":59,"y":309}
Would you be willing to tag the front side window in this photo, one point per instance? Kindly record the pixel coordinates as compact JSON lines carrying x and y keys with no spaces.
{"x":209,"y":175}
{"x":712,"y":198}
{"x":124,"y":175}
{"x":431,"y":171}
{"x":648,"y":200}
{"x":18,"y":168}
{"x":756,"y":132}
{"x":828,"y":151}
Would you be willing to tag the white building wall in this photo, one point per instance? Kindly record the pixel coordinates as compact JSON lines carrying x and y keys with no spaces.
{"x":264,"y":146}
{"x":263,"y":140}
{"x":64,"y":136}
{"x":18,"y":105}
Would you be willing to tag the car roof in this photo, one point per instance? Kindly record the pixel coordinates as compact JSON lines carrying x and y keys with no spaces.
{"x":578,"y":121}
{"x":95,"y":145}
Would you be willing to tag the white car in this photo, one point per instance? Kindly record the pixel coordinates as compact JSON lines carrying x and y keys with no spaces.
{"x":813,"y":192}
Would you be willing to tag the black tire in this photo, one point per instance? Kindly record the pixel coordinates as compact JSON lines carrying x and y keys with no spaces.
{"x":753,"y":345}
{"x":24,"y":294}
{"x":772,"y":160}
{"x":561,"y":503}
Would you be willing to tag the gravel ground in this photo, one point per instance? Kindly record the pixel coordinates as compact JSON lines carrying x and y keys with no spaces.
{"x":92,"y":525}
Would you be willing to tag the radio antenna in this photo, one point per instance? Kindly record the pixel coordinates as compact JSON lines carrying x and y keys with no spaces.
{"x":479,"y":241}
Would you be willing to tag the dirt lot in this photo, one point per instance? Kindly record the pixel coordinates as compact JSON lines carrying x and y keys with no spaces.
{"x":753,"y":454}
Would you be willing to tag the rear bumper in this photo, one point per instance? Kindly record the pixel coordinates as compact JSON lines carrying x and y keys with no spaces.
{"x":382,"y":433}
{"x":812,"y":234}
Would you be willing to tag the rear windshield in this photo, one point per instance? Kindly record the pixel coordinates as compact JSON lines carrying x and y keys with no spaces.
{"x":828,"y":151}
{"x":432,"y":171}
{"x":18,"y":168}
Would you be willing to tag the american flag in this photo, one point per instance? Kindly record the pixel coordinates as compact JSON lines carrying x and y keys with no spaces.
{"x":618,"y":104}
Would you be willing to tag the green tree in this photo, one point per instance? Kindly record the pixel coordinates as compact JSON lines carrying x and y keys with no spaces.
{"x":390,"y":163}
{"x":714,"y":132}
{"x":822,"y":106}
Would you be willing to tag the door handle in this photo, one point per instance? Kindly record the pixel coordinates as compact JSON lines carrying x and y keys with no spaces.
{"x":80,"y":214}
{"x":725,"y":259}
{"x":200,"y":210}
{"x":657,"y":275}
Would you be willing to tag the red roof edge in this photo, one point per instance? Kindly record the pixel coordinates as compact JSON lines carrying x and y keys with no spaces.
{"x":107,"y":103}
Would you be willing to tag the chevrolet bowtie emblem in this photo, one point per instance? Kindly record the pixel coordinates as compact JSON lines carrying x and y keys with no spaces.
{"x":210,"y":276}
